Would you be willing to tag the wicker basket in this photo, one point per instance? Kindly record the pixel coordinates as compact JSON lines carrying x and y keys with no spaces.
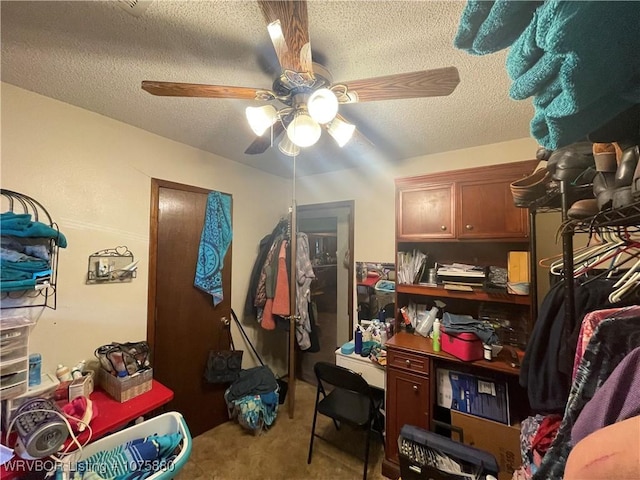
{"x":125,"y":388}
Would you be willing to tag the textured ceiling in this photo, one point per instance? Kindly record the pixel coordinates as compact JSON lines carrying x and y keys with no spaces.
{"x":95,"y":55}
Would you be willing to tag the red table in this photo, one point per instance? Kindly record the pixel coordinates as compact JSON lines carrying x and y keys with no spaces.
{"x":112,"y":415}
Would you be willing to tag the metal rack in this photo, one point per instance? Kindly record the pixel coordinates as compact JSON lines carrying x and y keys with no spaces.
{"x":43,"y":294}
{"x":612,"y":220}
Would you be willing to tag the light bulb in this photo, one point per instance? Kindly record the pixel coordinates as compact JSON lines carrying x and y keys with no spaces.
{"x":323,"y":105}
{"x":287,"y":147}
{"x":304,"y":131}
{"x":341,"y":131}
{"x":261,"y":118}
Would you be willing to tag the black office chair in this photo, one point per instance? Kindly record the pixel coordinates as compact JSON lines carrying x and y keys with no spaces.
{"x":351,"y":401}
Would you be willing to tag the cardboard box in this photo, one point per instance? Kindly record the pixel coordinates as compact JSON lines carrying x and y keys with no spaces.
{"x":502,"y":441}
{"x":518,"y":267}
{"x":466,"y":393}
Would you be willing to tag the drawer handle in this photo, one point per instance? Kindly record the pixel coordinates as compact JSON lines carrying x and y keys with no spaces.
{"x":415,"y":388}
{"x":443,"y":228}
{"x":469,"y":227}
{"x":408,"y":362}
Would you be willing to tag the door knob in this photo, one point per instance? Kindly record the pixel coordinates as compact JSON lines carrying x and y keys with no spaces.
{"x":225,"y":321}
{"x":469,"y":227}
{"x":415,"y":388}
{"x":443,"y":228}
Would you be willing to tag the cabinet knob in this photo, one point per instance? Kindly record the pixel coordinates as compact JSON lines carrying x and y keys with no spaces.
{"x":469,"y":227}
{"x":408,"y":362}
{"x":415,"y":388}
{"x":443,"y":228}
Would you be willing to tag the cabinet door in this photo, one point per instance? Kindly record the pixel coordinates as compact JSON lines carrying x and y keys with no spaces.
{"x":486,"y":210}
{"x":425,"y":212}
{"x":407,"y":404}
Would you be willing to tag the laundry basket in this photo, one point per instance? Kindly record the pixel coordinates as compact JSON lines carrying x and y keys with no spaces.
{"x":170,"y":422}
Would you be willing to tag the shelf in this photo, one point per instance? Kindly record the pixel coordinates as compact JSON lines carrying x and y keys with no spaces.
{"x":628,"y":216}
{"x":477,"y":295}
{"x":37,"y":239}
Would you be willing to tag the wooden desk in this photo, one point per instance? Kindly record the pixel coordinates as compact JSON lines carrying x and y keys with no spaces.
{"x":112,"y":415}
{"x":411,"y":386}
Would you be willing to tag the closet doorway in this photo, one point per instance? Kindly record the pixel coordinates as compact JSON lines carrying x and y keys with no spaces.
{"x":182,"y":323}
{"x":329,"y":227}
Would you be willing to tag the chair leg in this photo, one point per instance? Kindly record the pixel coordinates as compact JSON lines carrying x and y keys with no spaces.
{"x":313,"y":428}
{"x":366,"y":453}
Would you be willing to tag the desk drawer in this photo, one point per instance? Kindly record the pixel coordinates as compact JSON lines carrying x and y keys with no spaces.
{"x":408,"y":361}
{"x":374,"y":375}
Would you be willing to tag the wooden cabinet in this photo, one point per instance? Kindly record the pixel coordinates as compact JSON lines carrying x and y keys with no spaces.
{"x":474,"y":203}
{"x":486,"y":210}
{"x":408,"y":399}
{"x":426,"y":211}
{"x":463,"y":216}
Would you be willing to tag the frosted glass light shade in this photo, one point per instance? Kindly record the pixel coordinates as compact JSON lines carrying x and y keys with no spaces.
{"x":323,"y":105}
{"x":304,"y":131}
{"x":261,"y":118}
{"x":287,"y":147}
{"x":341,"y":131}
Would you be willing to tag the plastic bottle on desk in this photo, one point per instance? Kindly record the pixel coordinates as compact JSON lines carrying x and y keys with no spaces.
{"x":436,"y":335}
{"x":358,"y":340}
{"x":63,"y":373}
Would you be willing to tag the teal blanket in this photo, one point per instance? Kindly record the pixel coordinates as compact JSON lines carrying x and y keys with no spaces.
{"x":214,"y":242}
{"x":579,"y":60}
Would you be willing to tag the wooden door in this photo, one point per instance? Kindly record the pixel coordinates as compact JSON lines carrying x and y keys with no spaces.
{"x":183,"y":324}
{"x":425,"y":212}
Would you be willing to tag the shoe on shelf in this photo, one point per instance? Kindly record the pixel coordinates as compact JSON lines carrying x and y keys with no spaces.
{"x":604,"y":155}
{"x":604,"y":186}
{"x":583,"y":209}
{"x":530,"y":188}
{"x":574,"y":163}
{"x":627,"y":165}
{"x":635,"y":185}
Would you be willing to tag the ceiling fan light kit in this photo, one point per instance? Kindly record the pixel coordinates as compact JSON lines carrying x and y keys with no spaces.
{"x":341,"y":131}
{"x":303,"y":130}
{"x":306,"y":89}
{"x":323,"y":105}
{"x":261,"y":118}
{"x":287,"y":147}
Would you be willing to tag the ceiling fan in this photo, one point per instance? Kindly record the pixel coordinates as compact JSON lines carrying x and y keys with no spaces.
{"x":308,"y":97}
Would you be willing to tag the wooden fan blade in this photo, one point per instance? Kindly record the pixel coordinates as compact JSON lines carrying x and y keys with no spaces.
{"x":291,"y":39}
{"x":260,"y":144}
{"x":426,"y":83}
{"x":172,"y":89}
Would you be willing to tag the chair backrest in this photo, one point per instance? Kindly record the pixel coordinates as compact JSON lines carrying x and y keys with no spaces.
{"x":341,"y":377}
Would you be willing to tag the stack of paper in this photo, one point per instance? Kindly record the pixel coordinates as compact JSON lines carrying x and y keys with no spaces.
{"x":462,"y":274}
{"x":410,"y":266}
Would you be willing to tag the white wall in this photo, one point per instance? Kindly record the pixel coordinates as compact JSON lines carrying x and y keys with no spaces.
{"x":373,"y":192}
{"x":94,"y":174}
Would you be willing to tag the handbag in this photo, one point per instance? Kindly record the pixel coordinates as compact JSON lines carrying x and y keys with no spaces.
{"x":223,"y":366}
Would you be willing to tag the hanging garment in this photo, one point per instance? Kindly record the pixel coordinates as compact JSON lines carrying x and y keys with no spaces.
{"x":214,"y":242}
{"x":304,"y":276}
{"x":611,"y":342}
{"x":263,"y":250}
{"x":617,"y":399}
{"x":548,"y":360}
{"x":281,"y":300}
{"x":591,"y":321}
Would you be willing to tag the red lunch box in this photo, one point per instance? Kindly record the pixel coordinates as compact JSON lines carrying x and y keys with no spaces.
{"x":465,"y":346}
